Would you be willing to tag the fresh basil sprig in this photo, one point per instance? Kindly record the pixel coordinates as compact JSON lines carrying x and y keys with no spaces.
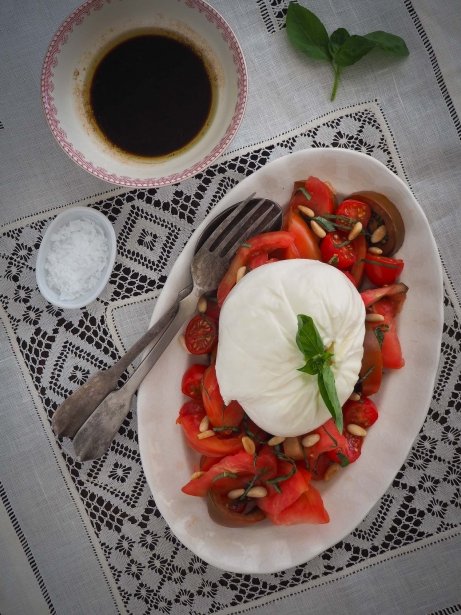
{"x":318,"y":361}
{"x":308,"y":34}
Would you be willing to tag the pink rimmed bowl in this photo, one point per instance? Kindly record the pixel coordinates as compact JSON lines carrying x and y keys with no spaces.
{"x":83,"y":38}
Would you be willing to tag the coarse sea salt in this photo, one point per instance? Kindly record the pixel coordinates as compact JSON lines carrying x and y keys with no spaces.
{"x":77,"y":256}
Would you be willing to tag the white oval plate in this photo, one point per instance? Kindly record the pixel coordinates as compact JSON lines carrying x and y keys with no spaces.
{"x":403,"y":400}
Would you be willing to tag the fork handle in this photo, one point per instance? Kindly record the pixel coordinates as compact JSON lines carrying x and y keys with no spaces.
{"x":75,"y":410}
{"x":94,"y":437}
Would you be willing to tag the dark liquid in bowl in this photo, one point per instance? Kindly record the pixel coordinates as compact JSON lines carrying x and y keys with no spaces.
{"x":151,"y":95}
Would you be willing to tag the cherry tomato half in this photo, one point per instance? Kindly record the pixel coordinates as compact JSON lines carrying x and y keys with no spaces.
{"x":337,"y":250}
{"x":201,"y":334}
{"x":382,"y":270}
{"x":356,"y":210}
{"x":191,"y":383}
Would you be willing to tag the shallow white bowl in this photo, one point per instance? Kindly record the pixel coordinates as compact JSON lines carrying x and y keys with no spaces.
{"x":84,"y":37}
{"x":403,"y":399}
{"x":75,"y":213}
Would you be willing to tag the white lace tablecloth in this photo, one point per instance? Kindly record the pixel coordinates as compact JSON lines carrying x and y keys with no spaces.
{"x":87,"y":537}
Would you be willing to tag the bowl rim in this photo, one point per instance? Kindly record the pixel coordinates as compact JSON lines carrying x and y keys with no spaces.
{"x":86,"y":299}
{"x":51,"y":112}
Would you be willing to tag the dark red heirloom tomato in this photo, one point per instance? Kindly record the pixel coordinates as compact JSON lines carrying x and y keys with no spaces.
{"x":191,"y":383}
{"x":201,"y":334}
{"x":382,"y":270}
{"x":337,"y":250}
{"x":371,"y":371}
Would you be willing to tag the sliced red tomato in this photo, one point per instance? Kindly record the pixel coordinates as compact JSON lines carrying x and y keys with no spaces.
{"x":266,"y":242}
{"x":288,"y":491}
{"x":201,"y":334}
{"x":255,"y":261}
{"x":371,"y":371}
{"x":382,"y":270}
{"x":359,"y":245}
{"x":336,"y":250}
{"x":241,"y":463}
{"x":390,"y":348}
{"x":330,"y":438}
{"x":191,"y":383}
{"x":207,"y":462}
{"x":308,"y":508}
{"x":190,"y":417}
{"x":212,"y":309}
{"x":396,"y":291}
{"x":321,"y":465}
{"x":356,"y":210}
{"x":219,"y":414}
{"x":362,"y":412}
{"x":348,"y":452}
{"x":305,"y":241}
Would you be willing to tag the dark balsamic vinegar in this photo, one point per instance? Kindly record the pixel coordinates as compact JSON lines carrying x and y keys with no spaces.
{"x":151,"y":95}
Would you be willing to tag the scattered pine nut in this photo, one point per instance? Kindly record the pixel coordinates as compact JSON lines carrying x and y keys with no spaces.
{"x":378,"y":234}
{"x":235,"y":493}
{"x":257,"y":492}
{"x":317,"y":229}
{"x":355,"y":232}
{"x":331,"y":471}
{"x":356,"y":430}
{"x":372,"y":317}
{"x":310,"y":440}
{"x":307,"y":211}
{"x":202,"y":304}
{"x":182,"y":341}
{"x":375,"y":250}
{"x":197,"y":475}
{"x":276,"y":440}
{"x":240,"y":273}
{"x":205,"y":434}
{"x":248,"y":445}
{"x":354,"y":396}
{"x":204,"y":424}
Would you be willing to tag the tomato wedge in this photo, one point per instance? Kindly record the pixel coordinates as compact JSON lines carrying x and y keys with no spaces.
{"x":371,"y":371}
{"x":289,"y":490}
{"x":330,"y":438}
{"x":362,"y":412}
{"x":382,"y":270}
{"x":242,"y":463}
{"x":305,"y":241}
{"x":359,"y":246}
{"x":190,"y":417}
{"x":191,"y":383}
{"x":308,"y":508}
{"x":219,"y":414}
{"x":396,"y":291}
{"x":390,"y":348}
{"x":266,"y":242}
{"x":348,"y":452}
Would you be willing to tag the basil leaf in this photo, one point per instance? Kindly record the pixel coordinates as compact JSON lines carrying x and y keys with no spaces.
{"x":388,"y":42}
{"x":308,"y":339}
{"x":329,"y":395}
{"x":353,"y":50}
{"x":325,"y":224}
{"x":338,"y":38}
{"x":306,"y":32}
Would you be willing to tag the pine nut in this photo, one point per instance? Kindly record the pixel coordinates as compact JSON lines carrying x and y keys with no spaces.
{"x":310,"y":439}
{"x":372,"y":317}
{"x":354,"y":397}
{"x":317,"y":229}
{"x":276,"y":440}
{"x":197,"y":475}
{"x":204,"y":424}
{"x":375,"y":250}
{"x":240,"y":273}
{"x":356,"y":430}
{"x":235,"y":493}
{"x":257,"y":492}
{"x":248,"y":445}
{"x":378,"y":234}
{"x":307,"y":211}
{"x":331,"y":471}
{"x":182,"y":341}
{"x":355,"y":232}
{"x":205,"y":434}
{"x":202,"y":304}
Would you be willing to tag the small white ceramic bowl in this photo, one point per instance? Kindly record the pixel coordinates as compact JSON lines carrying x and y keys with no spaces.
{"x":84,"y":38}
{"x":69,"y":215}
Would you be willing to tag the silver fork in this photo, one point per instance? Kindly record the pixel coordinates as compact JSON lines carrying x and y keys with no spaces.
{"x":209,"y":264}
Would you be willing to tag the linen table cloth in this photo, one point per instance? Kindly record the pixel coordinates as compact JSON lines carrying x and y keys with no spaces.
{"x":87,"y":537}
